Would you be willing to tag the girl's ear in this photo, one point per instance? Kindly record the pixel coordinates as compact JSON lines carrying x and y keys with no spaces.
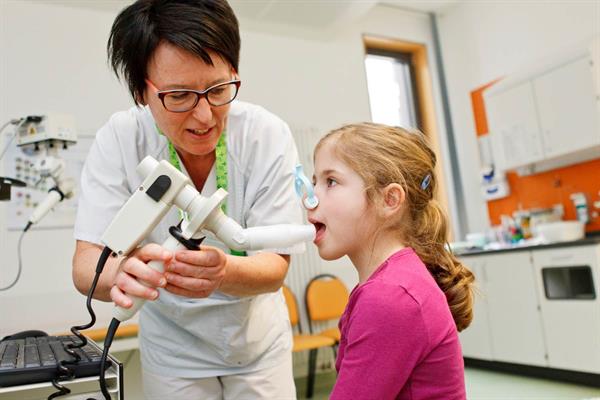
{"x":393,"y":199}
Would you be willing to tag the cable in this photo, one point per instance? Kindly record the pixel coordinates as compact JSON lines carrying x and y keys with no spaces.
{"x":62,"y":390}
{"x":106,"y":252}
{"x":19,"y":262}
{"x":110,"y":334}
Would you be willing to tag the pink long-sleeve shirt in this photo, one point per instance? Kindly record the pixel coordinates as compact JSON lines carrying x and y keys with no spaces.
{"x":399,"y":340}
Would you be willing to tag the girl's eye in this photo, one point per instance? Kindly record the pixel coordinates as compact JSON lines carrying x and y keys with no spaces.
{"x":331,"y":182}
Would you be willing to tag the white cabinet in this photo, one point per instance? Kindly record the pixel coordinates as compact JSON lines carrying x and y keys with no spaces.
{"x":514,"y":126}
{"x":515,"y":321}
{"x":476,"y":340}
{"x":537,"y":307}
{"x":566,"y":103}
{"x":507,"y":325}
{"x":547,"y":116}
{"x":569,"y":279}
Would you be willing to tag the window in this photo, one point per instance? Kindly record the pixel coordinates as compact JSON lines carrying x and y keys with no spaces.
{"x":391,"y":86}
{"x":400,"y":93}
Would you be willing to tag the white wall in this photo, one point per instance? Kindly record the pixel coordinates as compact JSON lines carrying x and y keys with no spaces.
{"x":53,"y":58}
{"x":485,"y":40}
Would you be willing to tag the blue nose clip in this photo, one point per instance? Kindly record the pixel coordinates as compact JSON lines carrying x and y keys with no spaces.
{"x":302,"y":185}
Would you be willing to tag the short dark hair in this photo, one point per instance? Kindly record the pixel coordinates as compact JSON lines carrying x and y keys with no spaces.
{"x":197,"y":26}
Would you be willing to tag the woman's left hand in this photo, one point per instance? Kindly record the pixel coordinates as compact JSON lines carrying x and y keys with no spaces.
{"x":196,"y":273}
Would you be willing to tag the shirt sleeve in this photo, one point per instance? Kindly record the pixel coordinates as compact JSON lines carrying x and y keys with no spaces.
{"x":104,"y":187}
{"x":385,"y":339}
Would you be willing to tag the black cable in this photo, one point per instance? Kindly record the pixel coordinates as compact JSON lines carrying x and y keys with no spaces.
{"x":75,"y":329}
{"x":63,"y":367}
{"x":62,"y":390}
{"x":110,"y":334}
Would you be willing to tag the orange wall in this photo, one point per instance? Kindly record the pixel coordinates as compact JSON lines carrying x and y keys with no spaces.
{"x":543,"y":189}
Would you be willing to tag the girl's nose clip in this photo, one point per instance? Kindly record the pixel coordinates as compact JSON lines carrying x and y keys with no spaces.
{"x":304,"y":186}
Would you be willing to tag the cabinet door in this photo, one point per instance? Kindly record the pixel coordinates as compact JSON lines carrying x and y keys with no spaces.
{"x":569,"y":279}
{"x":568,"y":113}
{"x":476,"y":339}
{"x":514,"y":127}
{"x":515,"y":321}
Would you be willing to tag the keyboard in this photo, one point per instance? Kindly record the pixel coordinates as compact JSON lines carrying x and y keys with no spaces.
{"x":36,"y":359}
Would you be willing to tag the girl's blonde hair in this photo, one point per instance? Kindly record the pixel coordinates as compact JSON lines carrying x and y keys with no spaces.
{"x":382,"y":155}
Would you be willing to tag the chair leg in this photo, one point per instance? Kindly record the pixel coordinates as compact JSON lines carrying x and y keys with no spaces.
{"x":312,"y":366}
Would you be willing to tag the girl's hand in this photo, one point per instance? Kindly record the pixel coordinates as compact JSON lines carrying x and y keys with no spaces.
{"x":134,"y":269}
{"x":195,"y":273}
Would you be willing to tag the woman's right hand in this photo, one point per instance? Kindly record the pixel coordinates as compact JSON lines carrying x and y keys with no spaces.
{"x":134,"y":269}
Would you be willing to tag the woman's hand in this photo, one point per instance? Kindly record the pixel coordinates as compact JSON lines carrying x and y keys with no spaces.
{"x":195,"y":273}
{"x":134,"y":269}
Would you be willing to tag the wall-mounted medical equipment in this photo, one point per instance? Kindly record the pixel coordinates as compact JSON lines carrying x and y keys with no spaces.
{"x":43,"y":136}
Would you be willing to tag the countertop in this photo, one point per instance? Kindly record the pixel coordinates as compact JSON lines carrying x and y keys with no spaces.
{"x":590,"y":239}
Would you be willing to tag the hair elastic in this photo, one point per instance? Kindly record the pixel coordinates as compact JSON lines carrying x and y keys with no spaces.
{"x":426,"y":181}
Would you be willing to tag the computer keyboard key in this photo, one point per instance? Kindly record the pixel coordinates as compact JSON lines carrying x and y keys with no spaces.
{"x":46,"y":354}
{"x":9,"y":358}
{"x":32,"y":357}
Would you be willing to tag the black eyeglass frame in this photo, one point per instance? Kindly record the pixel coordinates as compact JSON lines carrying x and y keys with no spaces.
{"x":199,"y":94}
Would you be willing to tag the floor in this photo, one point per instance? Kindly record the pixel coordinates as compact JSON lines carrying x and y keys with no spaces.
{"x":486,"y":385}
{"x":481,"y":385}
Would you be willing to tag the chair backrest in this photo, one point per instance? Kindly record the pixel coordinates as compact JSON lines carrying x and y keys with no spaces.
{"x":326,"y":298}
{"x":292,"y":306}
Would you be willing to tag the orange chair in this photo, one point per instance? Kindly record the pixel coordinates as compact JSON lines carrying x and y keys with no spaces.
{"x":304,"y":342}
{"x":326,"y":297}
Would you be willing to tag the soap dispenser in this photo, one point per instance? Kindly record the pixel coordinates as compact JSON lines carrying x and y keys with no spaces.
{"x":581,"y":207}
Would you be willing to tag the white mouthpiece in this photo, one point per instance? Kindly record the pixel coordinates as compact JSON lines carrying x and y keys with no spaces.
{"x":259,"y":237}
{"x":275,"y":236}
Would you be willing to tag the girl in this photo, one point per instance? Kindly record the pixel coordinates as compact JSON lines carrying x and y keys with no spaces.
{"x":375,"y":187}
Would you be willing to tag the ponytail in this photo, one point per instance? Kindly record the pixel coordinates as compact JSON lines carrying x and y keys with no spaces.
{"x":454,"y":279}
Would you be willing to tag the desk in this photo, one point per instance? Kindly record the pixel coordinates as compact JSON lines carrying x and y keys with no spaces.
{"x":125,"y":338}
{"x":124,"y":331}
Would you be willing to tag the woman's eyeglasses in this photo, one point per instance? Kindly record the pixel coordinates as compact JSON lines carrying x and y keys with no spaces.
{"x":183,"y":100}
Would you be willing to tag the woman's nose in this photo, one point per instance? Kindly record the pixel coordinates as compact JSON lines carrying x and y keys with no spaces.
{"x":203,"y":111}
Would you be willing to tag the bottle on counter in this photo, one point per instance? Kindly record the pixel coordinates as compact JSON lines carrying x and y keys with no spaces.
{"x":523,"y":222}
{"x":581,"y":207}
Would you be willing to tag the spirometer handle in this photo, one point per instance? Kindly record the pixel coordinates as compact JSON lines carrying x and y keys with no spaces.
{"x":123,"y":314}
